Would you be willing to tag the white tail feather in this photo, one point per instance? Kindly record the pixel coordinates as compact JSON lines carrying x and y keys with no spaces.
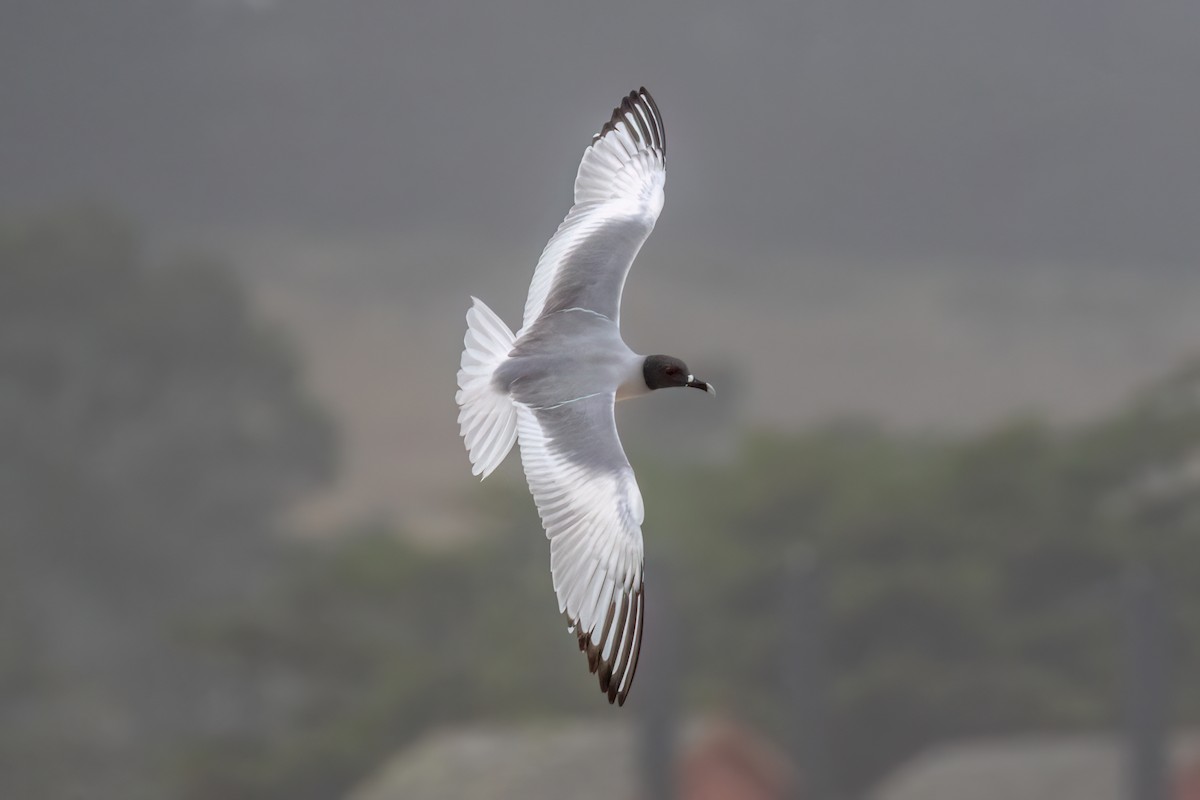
{"x":487,"y":419}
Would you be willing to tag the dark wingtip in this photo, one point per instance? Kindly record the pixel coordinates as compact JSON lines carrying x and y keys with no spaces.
{"x":637,"y":644}
{"x":621,"y":665}
{"x":640,"y":111}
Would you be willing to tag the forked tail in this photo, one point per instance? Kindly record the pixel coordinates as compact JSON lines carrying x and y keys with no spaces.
{"x":487,"y":419}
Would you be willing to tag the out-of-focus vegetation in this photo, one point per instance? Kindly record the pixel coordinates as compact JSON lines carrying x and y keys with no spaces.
{"x":973,"y":587}
{"x":151,"y":430}
{"x":158,"y":639}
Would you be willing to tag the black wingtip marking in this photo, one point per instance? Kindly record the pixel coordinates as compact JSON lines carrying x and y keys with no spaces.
{"x":635,"y":648}
{"x":641,"y":115}
{"x":616,"y":672}
{"x":660,"y":132}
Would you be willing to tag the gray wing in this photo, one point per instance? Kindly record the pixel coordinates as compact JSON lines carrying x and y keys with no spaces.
{"x":591,"y":508}
{"x":618,"y":196}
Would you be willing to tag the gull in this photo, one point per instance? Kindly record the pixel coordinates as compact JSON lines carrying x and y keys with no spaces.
{"x":553,"y":384}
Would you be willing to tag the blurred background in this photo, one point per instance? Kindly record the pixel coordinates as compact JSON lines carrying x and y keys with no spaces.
{"x":938,"y":536}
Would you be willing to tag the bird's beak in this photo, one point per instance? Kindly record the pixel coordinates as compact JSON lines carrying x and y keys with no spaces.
{"x":695,"y":384}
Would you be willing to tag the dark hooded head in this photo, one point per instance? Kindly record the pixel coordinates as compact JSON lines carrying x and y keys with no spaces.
{"x":663,"y":372}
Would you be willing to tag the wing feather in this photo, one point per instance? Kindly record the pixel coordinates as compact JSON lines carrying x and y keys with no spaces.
{"x":591,"y":508}
{"x":618,"y":197}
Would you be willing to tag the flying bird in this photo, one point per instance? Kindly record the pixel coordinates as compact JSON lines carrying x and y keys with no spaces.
{"x":552,"y":386}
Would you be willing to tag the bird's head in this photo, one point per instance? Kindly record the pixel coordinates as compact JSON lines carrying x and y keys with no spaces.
{"x":663,"y":372}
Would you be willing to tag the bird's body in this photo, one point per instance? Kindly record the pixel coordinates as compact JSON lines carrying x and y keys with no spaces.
{"x":568,"y":355}
{"x":552,"y":387}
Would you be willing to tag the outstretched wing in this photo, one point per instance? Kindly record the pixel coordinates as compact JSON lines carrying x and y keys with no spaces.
{"x":618,"y":196}
{"x":592,"y":511}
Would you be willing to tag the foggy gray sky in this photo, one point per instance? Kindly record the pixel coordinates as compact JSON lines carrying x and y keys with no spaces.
{"x":935,"y":213}
{"x":1023,"y":130}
